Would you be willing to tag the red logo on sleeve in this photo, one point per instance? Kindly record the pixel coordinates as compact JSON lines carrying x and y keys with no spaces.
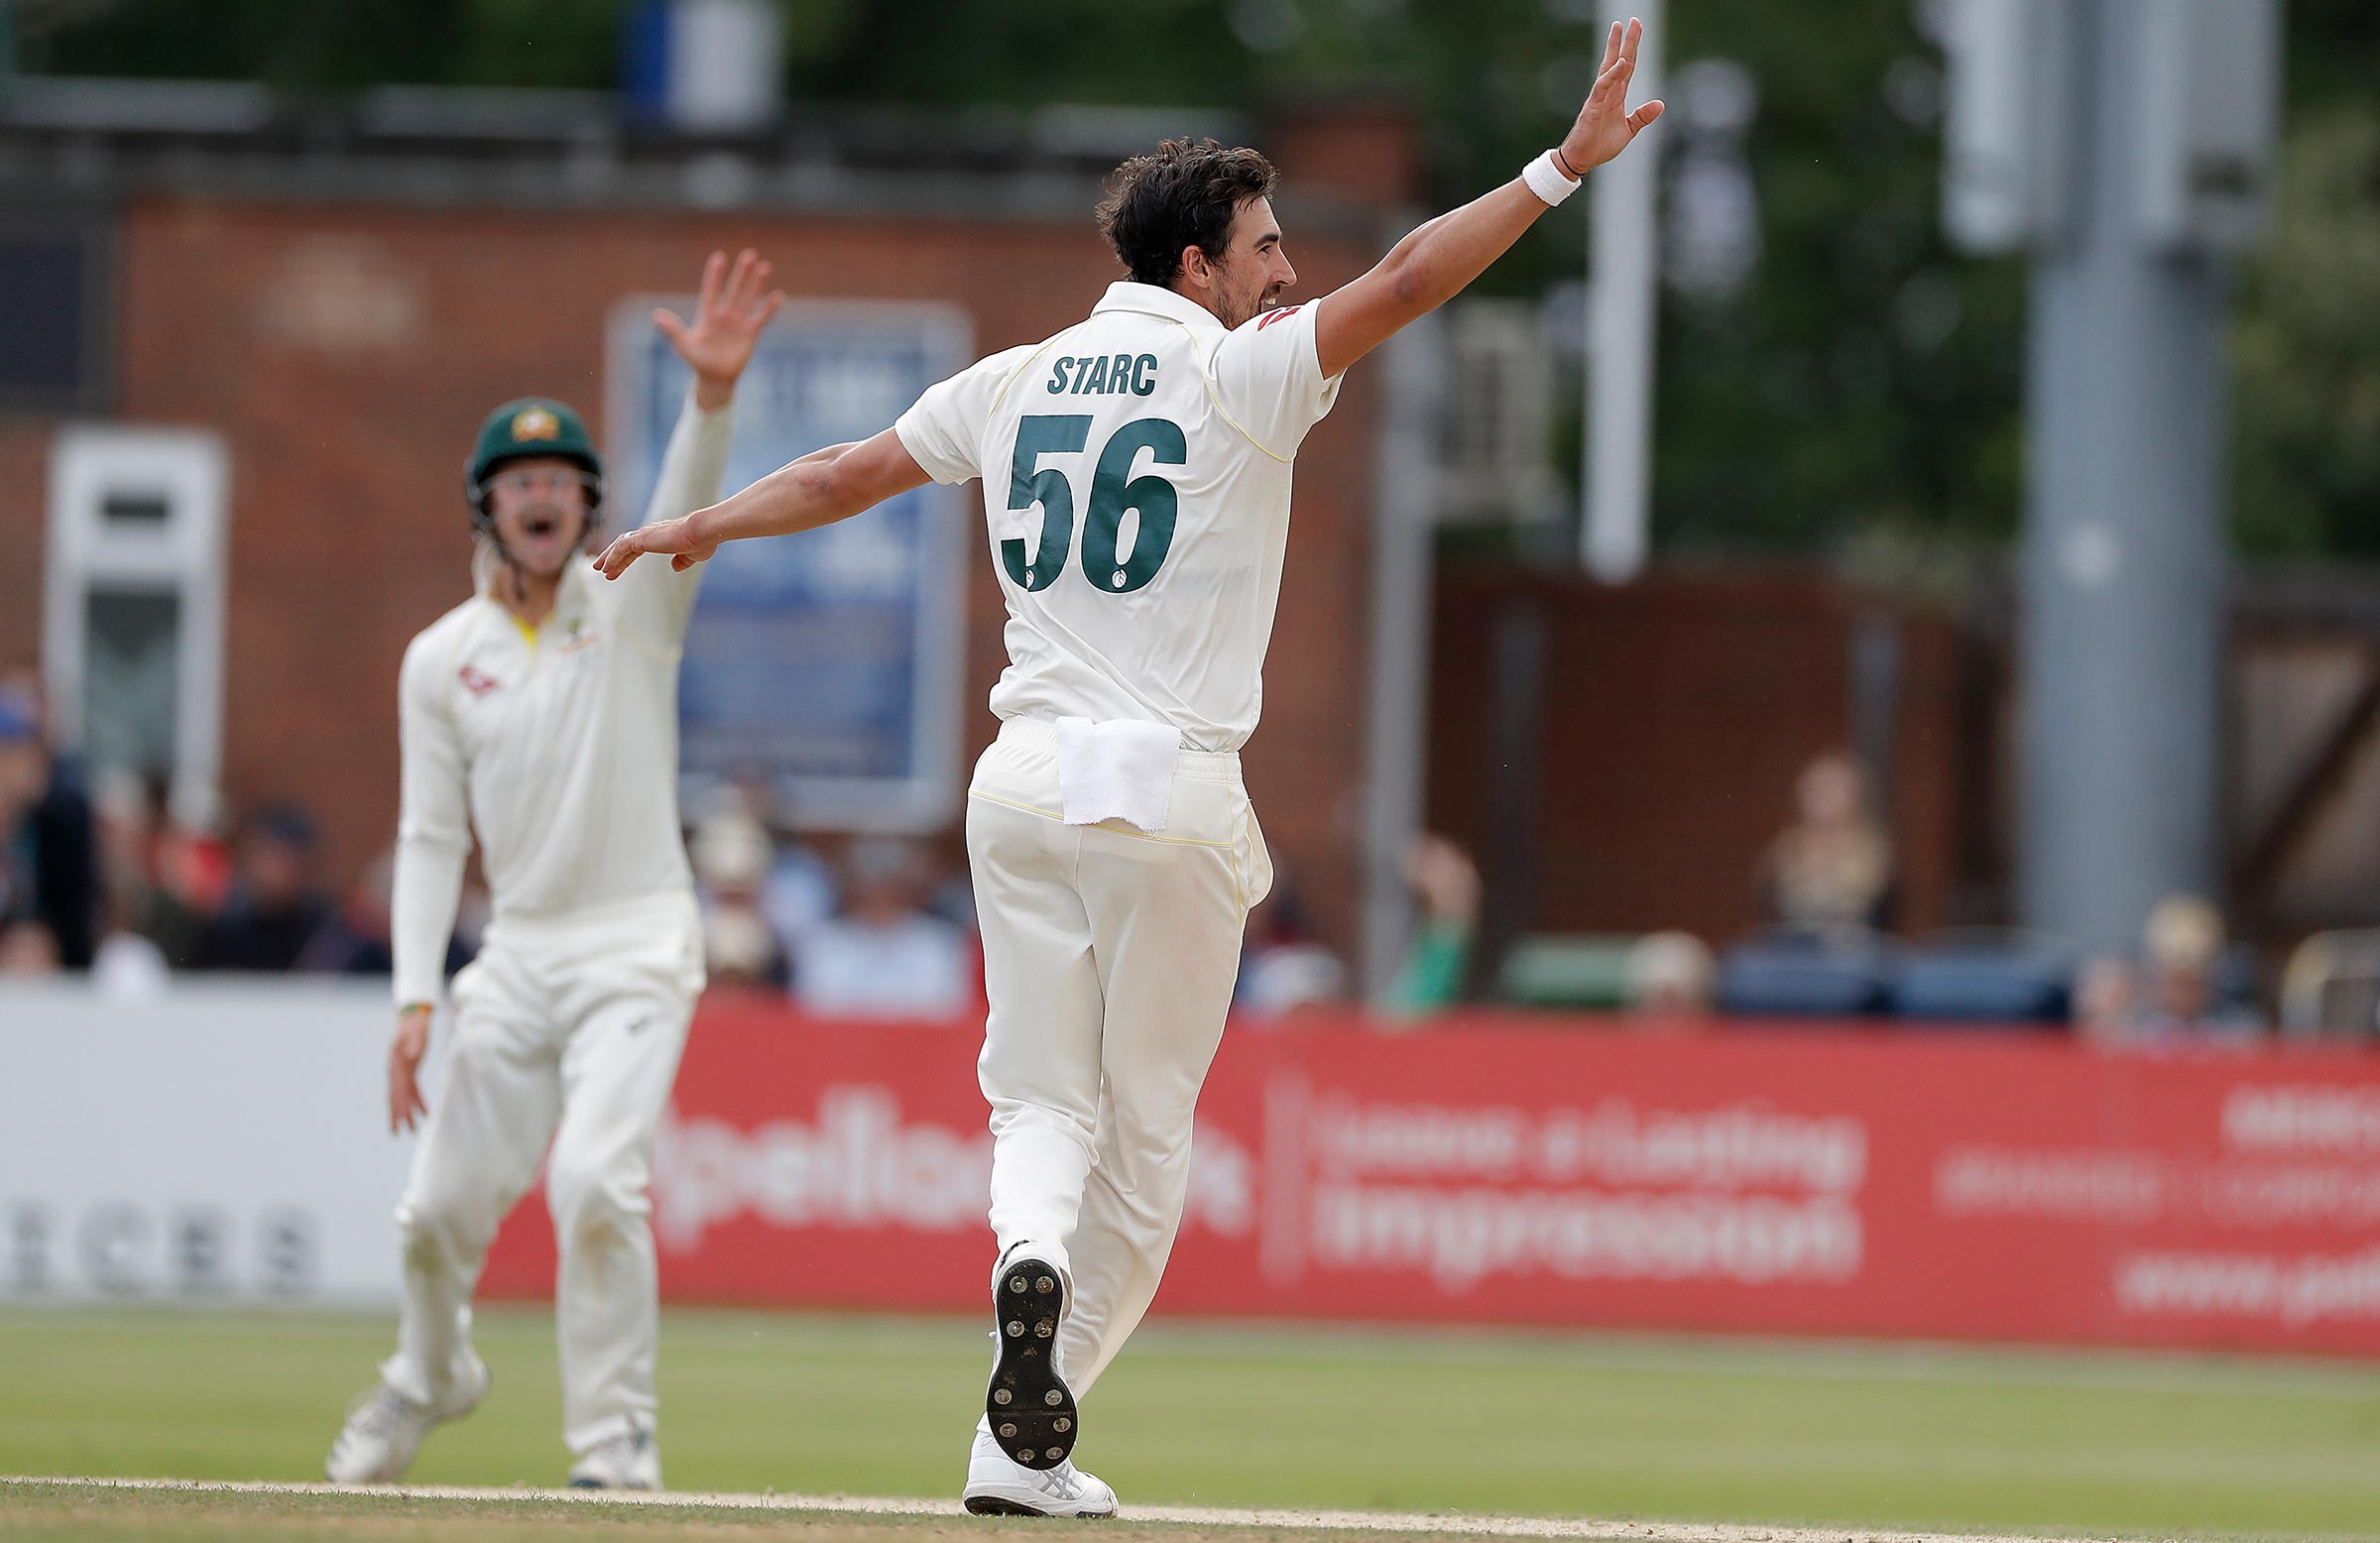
{"x":1271,"y":317}
{"x":475,"y":683}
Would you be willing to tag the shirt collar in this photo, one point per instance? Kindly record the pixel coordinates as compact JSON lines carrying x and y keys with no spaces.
{"x":578,"y":574}
{"x":1157,"y":301}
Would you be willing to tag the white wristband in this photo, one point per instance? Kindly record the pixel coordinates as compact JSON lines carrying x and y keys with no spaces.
{"x":1548,"y":181}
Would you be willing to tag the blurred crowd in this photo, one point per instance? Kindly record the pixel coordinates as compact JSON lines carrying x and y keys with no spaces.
{"x":1829,"y":893}
{"x":97,"y":875}
{"x":1827,"y":948}
{"x":872,"y":926}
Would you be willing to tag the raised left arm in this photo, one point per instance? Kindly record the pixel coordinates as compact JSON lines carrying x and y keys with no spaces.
{"x":733,"y":309}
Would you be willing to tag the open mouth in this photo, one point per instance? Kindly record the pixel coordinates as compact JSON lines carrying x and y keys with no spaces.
{"x":538,"y":527}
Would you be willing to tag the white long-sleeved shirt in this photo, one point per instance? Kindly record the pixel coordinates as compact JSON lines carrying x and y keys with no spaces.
{"x":556,"y":744}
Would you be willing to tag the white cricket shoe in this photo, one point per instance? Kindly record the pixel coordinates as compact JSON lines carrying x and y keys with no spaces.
{"x":385,"y":1428}
{"x":631,"y":1459}
{"x":999,"y":1485}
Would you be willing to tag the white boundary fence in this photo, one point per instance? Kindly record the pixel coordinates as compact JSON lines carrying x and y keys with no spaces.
{"x":225,"y":1144}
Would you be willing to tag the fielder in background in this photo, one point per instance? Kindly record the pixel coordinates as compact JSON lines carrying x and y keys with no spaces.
{"x":1135,"y":474}
{"x":541,"y":713}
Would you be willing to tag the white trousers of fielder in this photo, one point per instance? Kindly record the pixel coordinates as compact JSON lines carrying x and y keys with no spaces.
{"x":568,"y":1031}
{"x":1109,"y":961}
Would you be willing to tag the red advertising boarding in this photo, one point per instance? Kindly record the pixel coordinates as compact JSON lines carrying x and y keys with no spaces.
{"x":1532,"y":1171}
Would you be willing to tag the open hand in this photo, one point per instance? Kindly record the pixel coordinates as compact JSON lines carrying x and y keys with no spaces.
{"x":676,"y":538}
{"x":1604,"y":123}
{"x":406,"y":1104}
{"x":730,"y":314}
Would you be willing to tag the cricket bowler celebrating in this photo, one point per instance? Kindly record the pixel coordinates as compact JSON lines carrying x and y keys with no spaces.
{"x":541,"y":713}
{"x":1135,"y":474}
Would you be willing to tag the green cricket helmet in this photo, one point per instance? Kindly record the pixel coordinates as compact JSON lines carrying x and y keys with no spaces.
{"x":532,"y":426}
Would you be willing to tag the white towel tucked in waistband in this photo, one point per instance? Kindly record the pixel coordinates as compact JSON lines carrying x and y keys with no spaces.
{"x":1122,"y":770}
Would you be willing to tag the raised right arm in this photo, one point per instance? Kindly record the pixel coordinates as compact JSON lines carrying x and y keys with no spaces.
{"x":1440,"y":258}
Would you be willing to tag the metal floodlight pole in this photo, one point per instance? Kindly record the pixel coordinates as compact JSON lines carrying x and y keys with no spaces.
{"x":1396,"y":726}
{"x":1614,"y":477}
{"x":2123,"y":561}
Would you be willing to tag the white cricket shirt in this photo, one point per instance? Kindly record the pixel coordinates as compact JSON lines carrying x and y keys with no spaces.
{"x":558,"y":744}
{"x":1136,"y":476}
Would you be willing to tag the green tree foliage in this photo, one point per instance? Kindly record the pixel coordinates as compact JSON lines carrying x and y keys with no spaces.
{"x":327,"y":45}
{"x":1861,"y":389}
{"x":1864,"y":376}
{"x":2307,"y":350}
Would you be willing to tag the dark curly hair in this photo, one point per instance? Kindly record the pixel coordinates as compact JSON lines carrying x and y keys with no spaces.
{"x":1183,"y":193}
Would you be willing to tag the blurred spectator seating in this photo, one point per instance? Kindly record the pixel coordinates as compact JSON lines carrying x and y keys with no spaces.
{"x":1672,"y":979}
{"x":1661,"y":978}
{"x":358,"y":939}
{"x":1986,"y":977}
{"x":885,"y":956}
{"x":731,"y":859}
{"x":2189,"y":981}
{"x":129,"y":967}
{"x":49,"y":849}
{"x":277,"y":907}
{"x":1969,"y":977}
{"x":2331,"y":988}
{"x":1833,"y":867}
{"x":797,"y":895}
{"x":191,"y":874}
{"x":1794,"y":973}
{"x":794,"y":894}
{"x":1568,"y":970}
{"x":1284,"y":964}
{"x":27,"y":947}
{"x":1445,"y":892}
{"x":144,"y":910}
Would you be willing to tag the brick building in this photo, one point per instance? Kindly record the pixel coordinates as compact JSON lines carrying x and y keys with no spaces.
{"x":341,"y":303}
{"x":336,"y":295}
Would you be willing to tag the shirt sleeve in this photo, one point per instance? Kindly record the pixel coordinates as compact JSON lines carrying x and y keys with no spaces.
{"x":1268,"y":378}
{"x":433,"y":829}
{"x":656,"y":600}
{"x":945,"y":430}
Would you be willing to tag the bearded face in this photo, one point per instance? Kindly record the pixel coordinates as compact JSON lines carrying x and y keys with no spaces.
{"x":1253,"y":275}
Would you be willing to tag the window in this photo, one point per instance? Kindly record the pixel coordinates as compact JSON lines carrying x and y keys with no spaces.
{"x":54,"y":324}
{"x":132,"y":636}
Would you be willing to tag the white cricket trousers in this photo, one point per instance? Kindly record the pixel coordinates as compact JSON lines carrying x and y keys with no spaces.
{"x":1109,"y":961}
{"x":570,"y":1031}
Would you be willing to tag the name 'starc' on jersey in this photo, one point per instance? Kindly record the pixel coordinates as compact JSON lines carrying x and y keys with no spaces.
{"x":1102,"y":375}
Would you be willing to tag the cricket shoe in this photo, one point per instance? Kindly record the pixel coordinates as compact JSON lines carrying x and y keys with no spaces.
{"x":999,"y":1485}
{"x":1030,"y":1408}
{"x":385,"y":1428}
{"x":631,"y":1459}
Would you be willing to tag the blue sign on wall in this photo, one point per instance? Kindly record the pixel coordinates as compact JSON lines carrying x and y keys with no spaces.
{"x":825,"y":666}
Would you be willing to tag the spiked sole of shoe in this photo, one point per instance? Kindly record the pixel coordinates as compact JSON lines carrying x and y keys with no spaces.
{"x":1030,"y":1407}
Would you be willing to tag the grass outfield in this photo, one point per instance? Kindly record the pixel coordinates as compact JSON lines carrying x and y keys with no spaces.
{"x":1520,"y":1424}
